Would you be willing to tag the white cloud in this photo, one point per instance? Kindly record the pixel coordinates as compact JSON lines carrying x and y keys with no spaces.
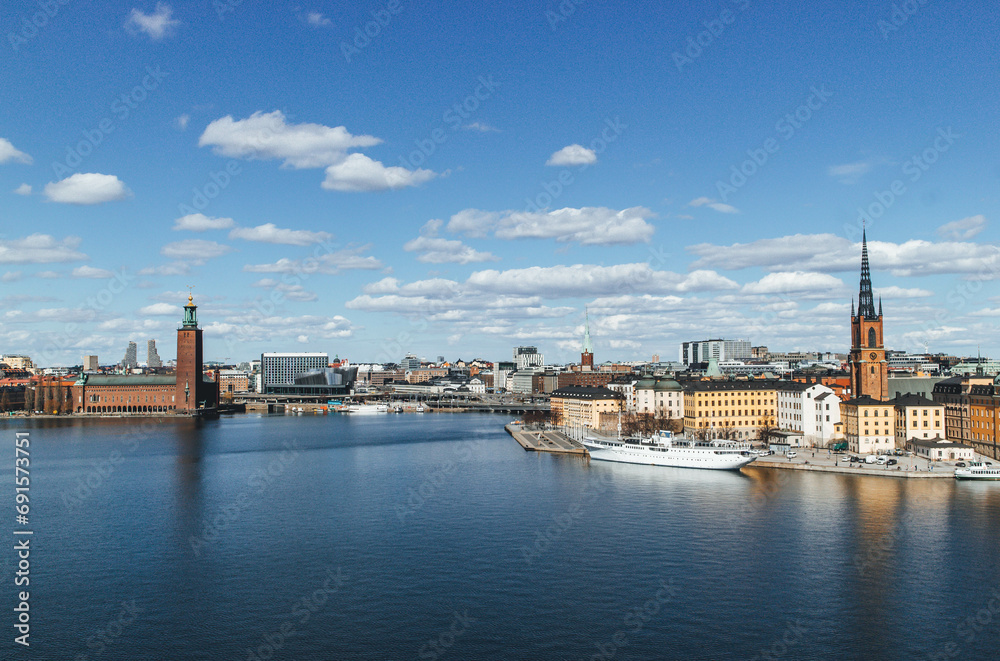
{"x":358,"y":173}
{"x":441,"y":251}
{"x":9,"y":153}
{"x":11,"y":276}
{"x":157,"y":25}
{"x":901,"y":292}
{"x":182,"y":121}
{"x":176,"y":268}
{"x":316,"y":19}
{"x":831,"y":253}
{"x":199,"y":222}
{"x":290,"y":291}
{"x":270,"y":233}
{"x":161,"y":310}
{"x":40,"y":249}
{"x":481,"y":127}
{"x":327,"y":263}
{"x":797,"y":282}
{"x":23,"y":189}
{"x":87,"y":188}
{"x":266,"y":136}
{"x":963,"y":230}
{"x":849,"y":173}
{"x":91,"y":272}
{"x":573,"y":155}
{"x":712,"y":204}
{"x":194,"y":250}
{"x":587,"y":225}
{"x":48,"y":275}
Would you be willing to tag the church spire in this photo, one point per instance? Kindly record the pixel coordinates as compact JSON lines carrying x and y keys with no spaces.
{"x":866,"y":300}
{"x":588,"y":346}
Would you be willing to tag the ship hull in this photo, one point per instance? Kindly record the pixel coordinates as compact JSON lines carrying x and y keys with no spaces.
{"x":674,"y":457}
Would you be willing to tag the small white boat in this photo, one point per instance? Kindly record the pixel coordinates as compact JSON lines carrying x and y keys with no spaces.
{"x":664,"y":449}
{"x":367,"y":409}
{"x":977,"y":470}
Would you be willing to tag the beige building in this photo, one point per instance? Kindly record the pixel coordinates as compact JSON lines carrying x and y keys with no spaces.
{"x":18,"y":362}
{"x":583,"y":405}
{"x":234,"y":381}
{"x":663,"y":397}
{"x":917,"y":418}
{"x":869,"y":425}
{"x":735,"y":409}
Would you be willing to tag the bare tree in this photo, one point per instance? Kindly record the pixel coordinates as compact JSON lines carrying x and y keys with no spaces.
{"x":766,"y":429}
{"x":29,"y":398}
{"x":4,"y":401}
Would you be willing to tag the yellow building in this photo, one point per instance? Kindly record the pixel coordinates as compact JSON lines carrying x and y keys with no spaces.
{"x":869,"y":425}
{"x":984,"y":417}
{"x":917,"y":418}
{"x":732,"y":409}
{"x":583,"y":405}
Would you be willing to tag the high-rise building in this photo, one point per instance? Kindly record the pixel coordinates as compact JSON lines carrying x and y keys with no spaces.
{"x":410,"y":362}
{"x":130,"y":360}
{"x":704,"y":350}
{"x":152,"y":358}
{"x":90,"y":363}
{"x":280,"y":369}
{"x":869,"y":369}
{"x":525,"y":357}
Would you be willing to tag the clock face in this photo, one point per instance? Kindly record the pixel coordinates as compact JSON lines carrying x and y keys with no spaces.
{"x":873,"y":355}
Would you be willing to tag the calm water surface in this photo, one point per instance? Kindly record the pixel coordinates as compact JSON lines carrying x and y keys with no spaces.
{"x":436,"y":536}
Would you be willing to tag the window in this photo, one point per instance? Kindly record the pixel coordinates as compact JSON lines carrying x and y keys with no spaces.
{"x":871,"y":337}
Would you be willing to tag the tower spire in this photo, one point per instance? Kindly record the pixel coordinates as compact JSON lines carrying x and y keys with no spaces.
{"x":866,"y":300}
{"x":588,"y":345}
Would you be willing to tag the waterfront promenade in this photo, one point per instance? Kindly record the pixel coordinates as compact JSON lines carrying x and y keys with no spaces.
{"x":823,"y":462}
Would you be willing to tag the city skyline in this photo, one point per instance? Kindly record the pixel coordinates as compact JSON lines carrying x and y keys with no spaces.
{"x":705,"y":172}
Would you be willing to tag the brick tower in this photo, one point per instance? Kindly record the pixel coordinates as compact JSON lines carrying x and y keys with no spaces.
{"x":190,"y":391}
{"x":587,"y":355}
{"x":869,"y":369}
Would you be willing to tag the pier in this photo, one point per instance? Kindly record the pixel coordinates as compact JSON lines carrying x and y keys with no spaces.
{"x":544,"y":440}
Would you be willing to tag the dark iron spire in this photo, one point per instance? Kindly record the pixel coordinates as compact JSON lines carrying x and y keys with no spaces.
{"x":866,"y":300}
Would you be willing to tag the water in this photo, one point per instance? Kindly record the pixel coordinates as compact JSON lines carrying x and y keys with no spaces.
{"x":437,"y":536}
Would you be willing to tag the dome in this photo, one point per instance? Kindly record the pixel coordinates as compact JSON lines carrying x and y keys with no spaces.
{"x":667,"y":384}
{"x":645,"y":384}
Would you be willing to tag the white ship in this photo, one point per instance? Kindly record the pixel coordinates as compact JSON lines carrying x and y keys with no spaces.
{"x":664,"y":449}
{"x":978,"y":470}
{"x":366,"y":409}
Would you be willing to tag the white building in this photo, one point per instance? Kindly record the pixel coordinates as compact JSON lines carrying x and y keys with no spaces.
{"x":627,"y":390}
{"x":659,"y":397}
{"x":280,"y":369}
{"x":721,"y":350}
{"x":939,"y":450}
{"x":527,"y":357}
{"x":812,"y":409}
{"x":917,"y":417}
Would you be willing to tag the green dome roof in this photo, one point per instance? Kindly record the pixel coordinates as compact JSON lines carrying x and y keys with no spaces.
{"x":645,"y":384}
{"x":667,"y":384}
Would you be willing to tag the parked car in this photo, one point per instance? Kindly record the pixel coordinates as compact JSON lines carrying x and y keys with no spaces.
{"x":891,"y":462}
{"x":880,"y":460}
{"x":791,"y":455}
{"x":960,"y":464}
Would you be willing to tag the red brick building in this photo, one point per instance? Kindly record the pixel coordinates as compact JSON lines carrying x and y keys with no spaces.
{"x":184,"y":392}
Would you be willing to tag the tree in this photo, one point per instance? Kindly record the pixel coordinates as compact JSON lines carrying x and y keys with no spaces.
{"x":4,"y":401}
{"x":766,"y":430}
{"x":29,"y":398}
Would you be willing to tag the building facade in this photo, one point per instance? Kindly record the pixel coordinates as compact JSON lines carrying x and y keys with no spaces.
{"x":90,"y":363}
{"x":735,"y":409}
{"x":661,"y":397}
{"x":811,"y":409}
{"x":583,"y":406}
{"x":869,"y":425}
{"x":152,"y":357}
{"x":527,"y":357}
{"x":917,"y":418}
{"x":702,"y":350}
{"x":280,"y":369}
{"x":130,"y":361}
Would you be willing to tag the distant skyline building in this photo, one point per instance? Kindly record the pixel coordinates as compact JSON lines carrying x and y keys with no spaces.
{"x":90,"y":363}
{"x":525,"y":357}
{"x":130,"y":360}
{"x":280,"y":369}
{"x":410,"y":362}
{"x":152,"y":358}
{"x":722,"y":350}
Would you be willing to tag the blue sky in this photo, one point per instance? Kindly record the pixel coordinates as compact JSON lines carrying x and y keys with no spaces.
{"x":462,"y":179}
